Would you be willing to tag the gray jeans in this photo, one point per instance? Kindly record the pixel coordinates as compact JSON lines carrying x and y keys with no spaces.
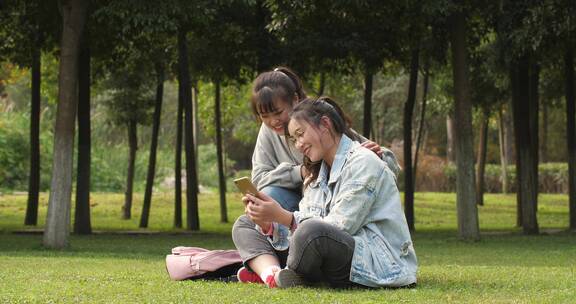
{"x":318,"y":251}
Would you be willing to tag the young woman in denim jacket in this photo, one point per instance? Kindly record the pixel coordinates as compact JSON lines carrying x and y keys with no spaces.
{"x":350,"y":229}
{"x":277,"y":169}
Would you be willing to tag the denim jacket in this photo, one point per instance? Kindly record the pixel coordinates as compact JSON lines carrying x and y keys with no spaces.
{"x":359,"y":196}
{"x":275,"y":163}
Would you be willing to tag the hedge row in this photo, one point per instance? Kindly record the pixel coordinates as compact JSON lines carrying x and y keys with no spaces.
{"x":440,"y":177}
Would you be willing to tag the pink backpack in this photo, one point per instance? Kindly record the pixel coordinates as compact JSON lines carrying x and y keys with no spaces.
{"x":199,"y":263}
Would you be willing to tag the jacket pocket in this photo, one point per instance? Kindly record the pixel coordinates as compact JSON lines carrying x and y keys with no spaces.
{"x":386,"y":266}
{"x":374,"y":263}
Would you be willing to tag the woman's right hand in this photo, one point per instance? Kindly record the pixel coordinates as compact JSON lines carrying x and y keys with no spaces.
{"x":265,"y":225}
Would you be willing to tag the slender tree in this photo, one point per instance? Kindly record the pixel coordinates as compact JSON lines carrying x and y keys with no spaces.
{"x":155,"y":130}
{"x":421,"y":120}
{"x":219,"y":153}
{"x":481,"y":157}
{"x":192,"y":218}
{"x":27,"y":29}
{"x":408,"y":112}
{"x":468,"y":228}
{"x":368,"y":83}
{"x":34,"y":176}
{"x":571,"y":132}
{"x":82,"y":224}
{"x":132,"y":132}
{"x":502,"y":140}
{"x":178,"y":162}
{"x":57,"y":228}
{"x":526,"y":176}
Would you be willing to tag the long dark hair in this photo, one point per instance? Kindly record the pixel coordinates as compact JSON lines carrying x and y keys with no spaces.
{"x":312,"y":111}
{"x":280,"y":84}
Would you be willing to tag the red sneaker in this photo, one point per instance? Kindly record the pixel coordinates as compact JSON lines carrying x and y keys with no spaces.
{"x":246,"y":276}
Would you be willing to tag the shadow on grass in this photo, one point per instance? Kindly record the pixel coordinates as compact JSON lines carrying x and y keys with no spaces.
{"x":433,"y":247}
{"x":145,"y":246}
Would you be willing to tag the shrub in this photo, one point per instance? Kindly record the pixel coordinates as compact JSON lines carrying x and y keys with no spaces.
{"x":552,"y":178}
{"x":14,"y":150}
{"x":208,"y":167}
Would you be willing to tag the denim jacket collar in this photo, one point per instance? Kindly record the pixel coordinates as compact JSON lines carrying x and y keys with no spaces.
{"x":339,"y":160}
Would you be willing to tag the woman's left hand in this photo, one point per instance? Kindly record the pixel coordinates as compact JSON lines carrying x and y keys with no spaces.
{"x":374,"y":147}
{"x":263,"y":208}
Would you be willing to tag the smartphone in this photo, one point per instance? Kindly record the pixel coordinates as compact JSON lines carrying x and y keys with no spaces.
{"x":245,"y":186}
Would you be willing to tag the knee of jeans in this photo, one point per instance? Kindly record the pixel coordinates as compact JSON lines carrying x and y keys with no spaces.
{"x":241,"y":222}
{"x":308,"y":229}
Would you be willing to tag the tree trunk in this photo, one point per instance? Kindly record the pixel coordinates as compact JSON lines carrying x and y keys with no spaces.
{"x":526,"y":176}
{"x":421,"y":123}
{"x":517,"y":98}
{"x":408,"y":112}
{"x":481,"y":163}
{"x":219,"y":154}
{"x":532,"y":212}
{"x":503,"y":158}
{"x":196,"y":124}
{"x":192,"y":218}
{"x":133,"y":146}
{"x":368,"y":82}
{"x":465,"y":185}
{"x":544,"y":140}
{"x":34,"y":177}
{"x":178,"y":163}
{"x":571,"y":133}
{"x":450,"y":125}
{"x":509,"y":134}
{"x":153,"y":145}
{"x":82,"y":224}
{"x":57,"y":228}
{"x":322,"y":84}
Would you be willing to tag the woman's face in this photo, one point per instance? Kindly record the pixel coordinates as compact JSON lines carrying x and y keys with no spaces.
{"x":277,"y":119}
{"x":307,"y":139}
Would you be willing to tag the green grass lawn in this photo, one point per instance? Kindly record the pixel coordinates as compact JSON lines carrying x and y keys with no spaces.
{"x":504,"y":267}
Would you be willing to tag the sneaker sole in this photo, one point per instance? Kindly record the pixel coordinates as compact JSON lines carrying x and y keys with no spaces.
{"x":287,"y":278}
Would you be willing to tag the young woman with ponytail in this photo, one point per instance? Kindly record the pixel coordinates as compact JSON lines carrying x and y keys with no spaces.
{"x":277,"y":168}
{"x":350,"y":229}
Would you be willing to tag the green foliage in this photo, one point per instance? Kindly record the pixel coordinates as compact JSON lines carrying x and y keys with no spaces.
{"x":49,"y":78}
{"x":237,"y":118}
{"x":26,"y":26}
{"x":208,"y":169}
{"x":14,"y":153}
{"x":131,"y":94}
{"x":14,"y":87}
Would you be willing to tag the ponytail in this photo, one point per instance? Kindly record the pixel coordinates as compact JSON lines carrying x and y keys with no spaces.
{"x":312,"y":111}
{"x":280,"y":84}
{"x":298,"y":88}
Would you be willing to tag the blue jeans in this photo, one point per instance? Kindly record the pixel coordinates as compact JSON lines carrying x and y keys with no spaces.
{"x":288,"y":198}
